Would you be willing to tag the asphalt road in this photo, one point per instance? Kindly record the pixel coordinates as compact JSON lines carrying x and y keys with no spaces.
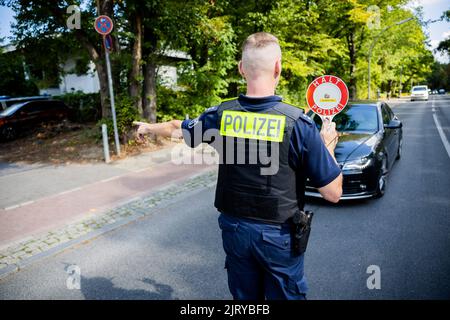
{"x":177,"y":253}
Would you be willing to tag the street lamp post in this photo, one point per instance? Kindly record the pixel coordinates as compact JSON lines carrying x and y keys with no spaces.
{"x":371,"y":48}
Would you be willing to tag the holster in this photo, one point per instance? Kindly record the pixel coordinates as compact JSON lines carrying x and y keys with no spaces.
{"x":300,"y":230}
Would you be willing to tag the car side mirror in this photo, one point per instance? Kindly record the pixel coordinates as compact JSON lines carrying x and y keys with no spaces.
{"x":393,"y":124}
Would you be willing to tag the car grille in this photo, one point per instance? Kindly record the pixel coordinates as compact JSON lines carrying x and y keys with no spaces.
{"x":352,"y":184}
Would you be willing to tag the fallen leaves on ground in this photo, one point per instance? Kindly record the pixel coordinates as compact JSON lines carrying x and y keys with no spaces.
{"x":66,"y":142}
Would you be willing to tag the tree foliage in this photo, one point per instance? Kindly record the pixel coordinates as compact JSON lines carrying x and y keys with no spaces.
{"x":444,"y":45}
{"x":12,"y":77}
{"x":317,"y":37}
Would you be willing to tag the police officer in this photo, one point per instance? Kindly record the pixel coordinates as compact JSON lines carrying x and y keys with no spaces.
{"x":256,"y":206}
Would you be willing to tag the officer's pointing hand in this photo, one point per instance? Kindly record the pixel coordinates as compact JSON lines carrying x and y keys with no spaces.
{"x":142,"y":130}
{"x":168,"y":129}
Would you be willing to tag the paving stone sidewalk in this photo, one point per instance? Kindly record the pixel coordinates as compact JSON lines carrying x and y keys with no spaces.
{"x":13,"y":256}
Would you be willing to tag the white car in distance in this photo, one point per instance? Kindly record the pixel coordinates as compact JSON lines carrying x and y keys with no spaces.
{"x":419,"y":93}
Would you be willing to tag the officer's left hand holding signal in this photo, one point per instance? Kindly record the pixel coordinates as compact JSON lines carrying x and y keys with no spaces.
{"x":329,"y":134}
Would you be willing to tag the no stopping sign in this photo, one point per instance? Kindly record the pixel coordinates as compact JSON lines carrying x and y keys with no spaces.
{"x":327,"y":96}
{"x":103,"y":25}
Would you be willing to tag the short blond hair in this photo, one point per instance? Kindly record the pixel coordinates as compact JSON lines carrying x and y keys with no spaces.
{"x":259,"y":53}
{"x":259,"y":40}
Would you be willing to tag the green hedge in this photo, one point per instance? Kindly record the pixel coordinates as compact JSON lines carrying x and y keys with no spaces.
{"x":86,"y":106}
{"x":126,"y":113}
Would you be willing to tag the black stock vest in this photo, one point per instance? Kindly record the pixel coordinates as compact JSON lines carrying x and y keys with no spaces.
{"x":242,"y":190}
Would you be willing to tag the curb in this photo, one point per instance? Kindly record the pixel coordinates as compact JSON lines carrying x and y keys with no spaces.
{"x":4,"y":272}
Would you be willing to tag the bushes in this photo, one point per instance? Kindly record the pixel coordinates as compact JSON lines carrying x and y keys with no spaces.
{"x":86,"y":106}
{"x":174,"y":104}
{"x":171,"y":104}
{"x":126,"y":113}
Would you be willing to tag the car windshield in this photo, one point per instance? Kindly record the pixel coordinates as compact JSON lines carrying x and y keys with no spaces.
{"x":354,"y":118}
{"x":9,"y":111}
{"x":419,"y":88}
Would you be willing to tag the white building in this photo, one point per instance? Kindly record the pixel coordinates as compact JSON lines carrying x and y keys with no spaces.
{"x":71,"y":82}
{"x":89,"y":83}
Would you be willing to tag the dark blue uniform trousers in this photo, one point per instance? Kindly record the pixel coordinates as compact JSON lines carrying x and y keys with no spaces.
{"x":259,"y":261}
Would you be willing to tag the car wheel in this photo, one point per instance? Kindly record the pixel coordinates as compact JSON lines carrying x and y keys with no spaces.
{"x":8,"y":133}
{"x":381,"y":185}
{"x":399,"y":151}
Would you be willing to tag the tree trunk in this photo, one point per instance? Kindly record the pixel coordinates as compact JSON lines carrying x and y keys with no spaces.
{"x":135,"y":87}
{"x":149,"y":53}
{"x":104,"y":90}
{"x":105,"y":7}
{"x":101,"y":71}
{"x":150,"y":92}
{"x":352,"y":57}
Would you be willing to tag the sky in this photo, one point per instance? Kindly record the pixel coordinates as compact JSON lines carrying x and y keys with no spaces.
{"x":437,"y":31}
{"x":433,"y":9}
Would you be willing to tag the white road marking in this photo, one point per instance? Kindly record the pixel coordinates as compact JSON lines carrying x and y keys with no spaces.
{"x":441,"y":131}
{"x":110,"y":179}
{"x":18,"y":205}
{"x":68,"y":191}
{"x":74,"y":189}
{"x":12,"y":207}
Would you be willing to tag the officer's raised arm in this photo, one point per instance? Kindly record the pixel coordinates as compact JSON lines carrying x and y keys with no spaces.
{"x":169,"y":129}
{"x":333,"y":190}
{"x":194,"y":131}
{"x":313,"y":154}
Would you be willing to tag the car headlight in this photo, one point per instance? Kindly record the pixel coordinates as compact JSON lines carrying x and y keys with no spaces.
{"x":357,"y":165}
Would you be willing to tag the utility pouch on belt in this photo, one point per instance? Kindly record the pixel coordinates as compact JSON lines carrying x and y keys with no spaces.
{"x":301,"y":227}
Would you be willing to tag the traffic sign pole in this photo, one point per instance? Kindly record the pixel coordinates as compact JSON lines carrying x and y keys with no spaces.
{"x":104,"y":25}
{"x":111,"y":98}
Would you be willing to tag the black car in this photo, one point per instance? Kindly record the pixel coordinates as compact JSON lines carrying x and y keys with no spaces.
{"x":7,"y":101}
{"x":26,"y":115}
{"x":370,"y":140}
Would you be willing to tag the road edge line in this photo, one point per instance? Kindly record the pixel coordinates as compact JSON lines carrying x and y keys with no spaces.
{"x":441,"y":133}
